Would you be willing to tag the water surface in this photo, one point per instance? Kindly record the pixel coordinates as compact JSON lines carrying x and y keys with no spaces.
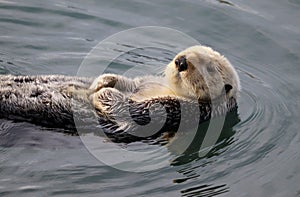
{"x":258,"y":156}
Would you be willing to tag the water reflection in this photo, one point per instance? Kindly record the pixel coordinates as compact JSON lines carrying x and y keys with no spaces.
{"x":190,"y":171}
{"x":226,"y":138}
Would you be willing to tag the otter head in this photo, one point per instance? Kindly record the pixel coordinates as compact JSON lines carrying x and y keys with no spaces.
{"x":202,"y":73}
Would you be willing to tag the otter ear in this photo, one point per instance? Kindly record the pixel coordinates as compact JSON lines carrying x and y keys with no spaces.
{"x":227,"y":87}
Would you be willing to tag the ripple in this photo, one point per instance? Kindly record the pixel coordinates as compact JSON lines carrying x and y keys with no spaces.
{"x":264,"y":116}
{"x":205,"y":190}
{"x":264,"y":113}
{"x":258,"y":155}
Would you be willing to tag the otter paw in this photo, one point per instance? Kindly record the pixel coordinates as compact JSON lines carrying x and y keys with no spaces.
{"x":68,"y":90}
{"x":104,"y":81}
{"x":105,"y":99}
{"x":75,"y":92}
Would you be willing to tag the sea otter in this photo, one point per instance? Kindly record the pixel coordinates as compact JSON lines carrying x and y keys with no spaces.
{"x":197,"y":76}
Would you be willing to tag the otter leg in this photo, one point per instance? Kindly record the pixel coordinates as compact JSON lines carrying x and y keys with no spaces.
{"x":76,"y":92}
{"x":105,"y":100}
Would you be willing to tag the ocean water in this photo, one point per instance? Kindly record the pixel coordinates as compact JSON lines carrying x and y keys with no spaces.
{"x":258,"y":152}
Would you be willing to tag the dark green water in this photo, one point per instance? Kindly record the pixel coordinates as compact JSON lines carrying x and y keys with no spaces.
{"x":259,"y":156}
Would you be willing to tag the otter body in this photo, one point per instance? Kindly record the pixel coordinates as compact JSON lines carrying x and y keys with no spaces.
{"x":197,"y":76}
{"x":40,"y":99}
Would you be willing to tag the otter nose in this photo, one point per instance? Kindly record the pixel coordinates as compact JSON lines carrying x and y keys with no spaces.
{"x":181,"y":63}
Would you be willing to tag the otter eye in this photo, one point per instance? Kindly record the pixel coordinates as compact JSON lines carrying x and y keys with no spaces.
{"x":177,"y":62}
{"x":227,"y":88}
{"x":181,"y":63}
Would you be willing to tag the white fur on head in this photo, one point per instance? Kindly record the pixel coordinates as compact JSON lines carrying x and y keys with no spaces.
{"x":206,"y":75}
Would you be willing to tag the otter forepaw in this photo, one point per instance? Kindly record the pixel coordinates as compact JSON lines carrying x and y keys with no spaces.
{"x":105,"y":99}
{"x":104,"y":81}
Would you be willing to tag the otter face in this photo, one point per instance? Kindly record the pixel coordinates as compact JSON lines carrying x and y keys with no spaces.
{"x":202,"y":73}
